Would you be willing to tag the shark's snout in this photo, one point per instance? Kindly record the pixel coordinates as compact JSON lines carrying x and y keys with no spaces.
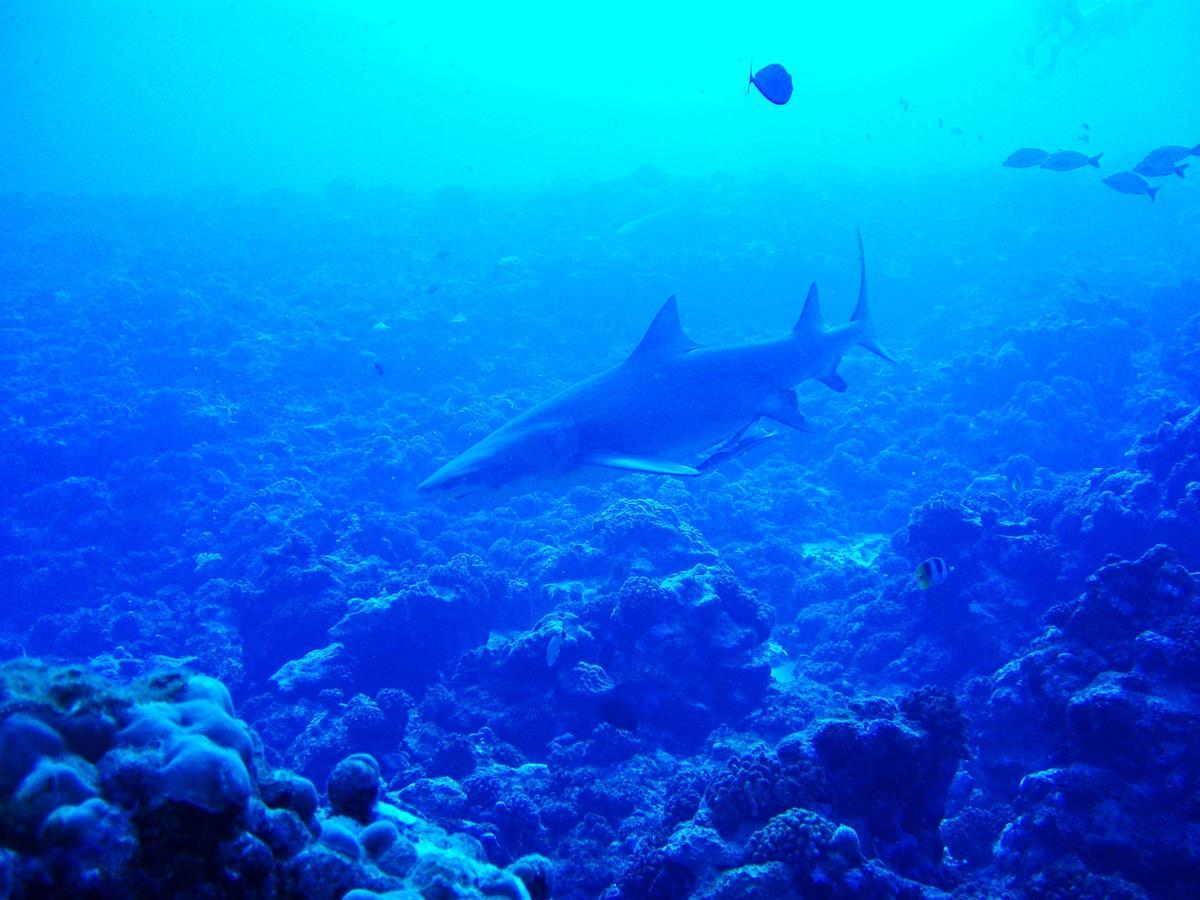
{"x":441,"y":480}
{"x":462,"y":475}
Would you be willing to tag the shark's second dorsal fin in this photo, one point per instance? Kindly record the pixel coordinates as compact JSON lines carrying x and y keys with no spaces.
{"x":665,"y":335}
{"x":810,"y":316}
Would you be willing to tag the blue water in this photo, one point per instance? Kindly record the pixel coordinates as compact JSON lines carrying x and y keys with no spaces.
{"x":264,"y":270}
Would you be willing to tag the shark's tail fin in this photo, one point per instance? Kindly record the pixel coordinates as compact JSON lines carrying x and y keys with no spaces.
{"x":862,"y":312}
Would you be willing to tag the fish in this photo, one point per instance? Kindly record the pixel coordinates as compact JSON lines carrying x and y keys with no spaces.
{"x":1025,"y":158}
{"x":1132,"y":183}
{"x":554,"y":647}
{"x":378,"y":368}
{"x":957,"y":131}
{"x":669,"y":402}
{"x":1069,"y":160}
{"x":1157,"y":167}
{"x":932,"y":572}
{"x":1172,"y":153}
{"x":641,"y":222}
{"x":774,"y":82}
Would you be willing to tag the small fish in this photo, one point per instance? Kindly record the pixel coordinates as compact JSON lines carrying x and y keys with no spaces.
{"x":378,"y":368}
{"x":1157,"y":167}
{"x":957,"y":131}
{"x":1025,"y":158}
{"x":941,"y":122}
{"x":1069,"y":160}
{"x":1085,"y":126}
{"x":904,"y":105}
{"x":554,"y":648}
{"x":932,"y":572}
{"x":1016,"y":484}
{"x":431,"y":289}
{"x":641,"y":221}
{"x":1132,"y":183}
{"x":774,"y":82}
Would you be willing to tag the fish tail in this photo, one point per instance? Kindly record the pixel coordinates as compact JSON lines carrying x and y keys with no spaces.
{"x":862,"y":312}
{"x":1179,"y":170}
{"x":1153,"y":190}
{"x":1095,"y":160}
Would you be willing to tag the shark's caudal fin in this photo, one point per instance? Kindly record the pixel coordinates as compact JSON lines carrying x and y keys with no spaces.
{"x":862,"y":312}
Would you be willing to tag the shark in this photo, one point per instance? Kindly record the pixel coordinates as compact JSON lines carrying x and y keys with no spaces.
{"x":672,"y":407}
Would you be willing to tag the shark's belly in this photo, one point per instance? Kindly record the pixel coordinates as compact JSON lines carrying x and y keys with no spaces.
{"x":669,"y":420}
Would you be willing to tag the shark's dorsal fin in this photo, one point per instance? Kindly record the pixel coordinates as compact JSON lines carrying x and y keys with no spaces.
{"x":665,"y":335}
{"x":810,"y":316}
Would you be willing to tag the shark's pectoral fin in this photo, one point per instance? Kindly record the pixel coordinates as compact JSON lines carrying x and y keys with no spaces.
{"x":783,"y":407}
{"x":633,"y":464}
{"x":833,"y":381}
{"x":734,"y":447}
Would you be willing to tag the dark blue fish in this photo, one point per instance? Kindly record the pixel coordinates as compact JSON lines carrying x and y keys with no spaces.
{"x":1131,"y":183}
{"x":1172,"y":153}
{"x":1025,"y":158}
{"x":1069,"y":160}
{"x":1158,"y":167}
{"x":774,"y":82}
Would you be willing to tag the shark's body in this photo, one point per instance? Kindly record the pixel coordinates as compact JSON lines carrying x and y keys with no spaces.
{"x":671,"y":408}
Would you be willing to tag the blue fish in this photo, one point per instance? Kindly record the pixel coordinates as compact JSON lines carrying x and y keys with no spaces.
{"x":774,"y":82}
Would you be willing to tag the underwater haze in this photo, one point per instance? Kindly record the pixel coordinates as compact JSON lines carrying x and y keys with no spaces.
{"x":600,"y":450}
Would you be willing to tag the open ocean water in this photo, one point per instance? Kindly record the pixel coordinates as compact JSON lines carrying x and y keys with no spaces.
{"x":373,"y":525}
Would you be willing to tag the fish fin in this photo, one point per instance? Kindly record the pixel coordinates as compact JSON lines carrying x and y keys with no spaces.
{"x":665,"y":335}
{"x":810,"y":317}
{"x":732,"y":449}
{"x":1179,"y":169}
{"x":1095,"y":160}
{"x":783,"y":407}
{"x":646,"y":466}
{"x":862,"y":311}
{"x":833,"y":381}
{"x":1152,"y":191}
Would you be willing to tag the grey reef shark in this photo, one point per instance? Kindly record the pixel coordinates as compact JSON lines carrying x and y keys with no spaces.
{"x":671,"y":408}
